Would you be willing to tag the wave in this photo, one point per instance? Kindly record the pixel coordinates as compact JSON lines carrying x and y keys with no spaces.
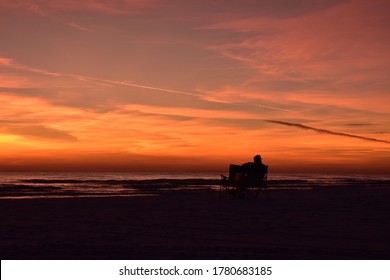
{"x":122,"y":182}
{"x":67,"y":187}
{"x":174,"y":183}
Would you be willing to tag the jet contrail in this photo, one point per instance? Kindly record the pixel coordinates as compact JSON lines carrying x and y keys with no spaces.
{"x":134,"y":85}
{"x":10,"y":63}
{"x":170,"y":91}
{"x":324,"y":131}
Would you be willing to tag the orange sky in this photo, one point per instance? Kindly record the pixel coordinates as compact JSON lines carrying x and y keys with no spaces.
{"x":194,"y":85}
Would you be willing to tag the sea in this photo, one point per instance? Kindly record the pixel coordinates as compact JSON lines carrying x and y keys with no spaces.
{"x":56,"y":185}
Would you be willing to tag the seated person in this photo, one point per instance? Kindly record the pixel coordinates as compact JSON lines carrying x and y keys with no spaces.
{"x":259,"y":167}
{"x":255,"y":170}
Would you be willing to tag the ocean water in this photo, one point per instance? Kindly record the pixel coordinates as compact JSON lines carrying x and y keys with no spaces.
{"x":30,"y":185}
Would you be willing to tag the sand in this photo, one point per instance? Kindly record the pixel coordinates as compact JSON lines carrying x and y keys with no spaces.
{"x":324,"y":223}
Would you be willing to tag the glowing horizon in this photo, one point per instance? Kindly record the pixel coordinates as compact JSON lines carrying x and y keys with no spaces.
{"x":166,"y":85}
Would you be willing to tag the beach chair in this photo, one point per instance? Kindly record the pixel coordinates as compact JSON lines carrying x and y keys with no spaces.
{"x":243,"y":181}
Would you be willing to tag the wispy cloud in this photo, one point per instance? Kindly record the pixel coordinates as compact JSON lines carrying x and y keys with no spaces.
{"x":300,"y":53}
{"x":38,"y":131}
{"x":203,"y":96}
{"x":7,"y":62}
{"x":324,"y":131}
{"x":77,"y":26}
{"x":102,"y":6}
{"x":39,"y":11}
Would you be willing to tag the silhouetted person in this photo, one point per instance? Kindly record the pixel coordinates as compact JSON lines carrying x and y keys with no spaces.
{"x":255,"y":170}
{"x":259,"y":167}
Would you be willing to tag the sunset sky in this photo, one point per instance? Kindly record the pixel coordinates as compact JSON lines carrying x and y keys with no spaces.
{"x":157,"y":85}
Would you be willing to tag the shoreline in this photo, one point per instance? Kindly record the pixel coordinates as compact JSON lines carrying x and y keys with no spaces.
{"x":323,"y":223}
{"x":74,"y":188}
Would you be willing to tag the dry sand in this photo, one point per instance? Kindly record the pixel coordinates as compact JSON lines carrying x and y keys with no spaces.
{"x":338,"y":223}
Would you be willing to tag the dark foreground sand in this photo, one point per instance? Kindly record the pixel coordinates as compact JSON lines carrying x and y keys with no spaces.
{"x":342,"y":223}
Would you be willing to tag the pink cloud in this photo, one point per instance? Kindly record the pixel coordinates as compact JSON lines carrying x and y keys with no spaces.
{"x":341,"y":45}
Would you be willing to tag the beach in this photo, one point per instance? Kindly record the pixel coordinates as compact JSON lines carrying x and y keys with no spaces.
{"x":321,"y":223}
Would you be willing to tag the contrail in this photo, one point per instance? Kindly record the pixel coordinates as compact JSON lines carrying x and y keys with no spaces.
{"x":135,"y":85}
{"x":37,"y":10}
{"x":201,"y":96}
{"x":272,"y":107}
{"x":324,"y":131}
{"x":10,"y":63}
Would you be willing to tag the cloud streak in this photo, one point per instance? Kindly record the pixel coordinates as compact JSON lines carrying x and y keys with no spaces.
{"x":123,"y":7}
{"x":134,"y":85}
{"x":7,"y":62}
{"x":324,"y":131}
{"x":37,"y":10}
{"x":290,"y":54}
{"x":39,"y":131}
{"x":12,"y":64}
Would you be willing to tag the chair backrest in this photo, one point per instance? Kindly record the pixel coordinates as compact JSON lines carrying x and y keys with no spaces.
{"x":247,"y":173}
{"x":235,"y":173}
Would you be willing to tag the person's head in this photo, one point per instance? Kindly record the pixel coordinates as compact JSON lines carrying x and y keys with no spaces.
{"x":257,"y":159}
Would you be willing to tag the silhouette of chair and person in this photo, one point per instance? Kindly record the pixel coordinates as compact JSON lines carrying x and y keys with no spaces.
{"x":246,"y":177}
{"x":253,"y":172}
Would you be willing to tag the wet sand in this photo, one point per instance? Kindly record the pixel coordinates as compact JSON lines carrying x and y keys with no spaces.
{"x":324,"y":223}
